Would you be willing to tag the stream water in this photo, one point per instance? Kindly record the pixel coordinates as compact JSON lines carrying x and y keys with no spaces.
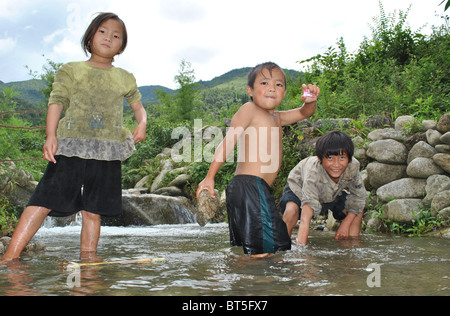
{"x":199,"y":261}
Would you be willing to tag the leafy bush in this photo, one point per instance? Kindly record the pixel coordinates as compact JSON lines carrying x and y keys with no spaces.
{"x":19,"y":141}
{"x":159,"y":136}
{"x":396,"y":72}
{"x":424,"y":222}
{"x":8,"y":217}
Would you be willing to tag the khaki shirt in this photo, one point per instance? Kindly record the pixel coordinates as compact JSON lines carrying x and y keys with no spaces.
{"x":312,"y":184}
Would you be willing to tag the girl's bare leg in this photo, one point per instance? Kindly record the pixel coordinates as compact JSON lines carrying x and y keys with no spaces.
{"x":29,"y":223}
{"x":90,"y":232}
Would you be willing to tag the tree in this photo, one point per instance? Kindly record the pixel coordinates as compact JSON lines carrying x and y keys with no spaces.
{"x":186,"y":94}
{"x":180,"y":107}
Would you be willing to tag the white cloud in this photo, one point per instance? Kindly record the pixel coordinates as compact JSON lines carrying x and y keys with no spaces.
{"x":185,"y":11}
{"x":215,"y":36}
{"x":7,"y":45}
{"x":50,"y":38}
{"x":67,"y":48}
{"x":12,"y":8}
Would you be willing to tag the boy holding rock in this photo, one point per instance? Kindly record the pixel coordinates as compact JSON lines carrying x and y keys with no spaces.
{"x":254,"y":221}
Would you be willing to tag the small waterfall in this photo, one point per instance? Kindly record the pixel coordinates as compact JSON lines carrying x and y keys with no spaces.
{"x":78,"y":221}
{"x":49,"y":222}
{"x":183,"y":214}
{"x":74,"y":220}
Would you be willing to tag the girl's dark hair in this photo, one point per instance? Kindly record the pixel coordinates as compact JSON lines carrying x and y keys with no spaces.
{"x":93,"y":27}
{"x":259,"y":68}
{"x":334,"y":143}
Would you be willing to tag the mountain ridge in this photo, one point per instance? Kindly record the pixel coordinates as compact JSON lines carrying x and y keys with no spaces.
{"x":235,"y":78}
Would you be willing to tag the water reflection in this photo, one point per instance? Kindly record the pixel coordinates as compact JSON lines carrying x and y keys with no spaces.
{"x":199,"y":261}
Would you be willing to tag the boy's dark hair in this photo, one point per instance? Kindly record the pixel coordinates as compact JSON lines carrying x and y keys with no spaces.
{"x":93,"y":27}
{"x":259,"y":68}
{"x":334,"y":143}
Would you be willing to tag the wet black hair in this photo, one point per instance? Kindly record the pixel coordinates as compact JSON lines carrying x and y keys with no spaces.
{"x":93,"y":27}
{"x":334,"y":143}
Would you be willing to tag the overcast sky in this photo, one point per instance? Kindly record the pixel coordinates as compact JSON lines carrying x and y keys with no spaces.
{"x":216,"y":36}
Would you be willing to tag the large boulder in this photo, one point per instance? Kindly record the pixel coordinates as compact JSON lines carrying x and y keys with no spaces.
{"x":332,"y":123}
{"x":380,"y":174}
{"x":443,"y":161}
{"x":16,"y":184}
{"x":445,"y":138}
{"x":403,"y":210}
{"x":421,"y":149}
{"x":408,"y":188}
{"x":444,"y":124}
{"x":429,"y":125}
{"x":388,"y":151}
{"x":423,"y":168}
{"x":433,"y":137}
{"x":152,"y":209}
{"x":440,"y":201}
{"x":402,"y":121}
{"x":386,"y":133}
{"x":435,"y":184}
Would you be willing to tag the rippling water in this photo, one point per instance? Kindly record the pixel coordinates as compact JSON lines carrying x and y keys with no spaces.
{"x":199,"y":261}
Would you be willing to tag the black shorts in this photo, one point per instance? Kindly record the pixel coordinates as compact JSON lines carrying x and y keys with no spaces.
{"x":337,"y":206}
{"x":74,"y":184}
{"x":253,"y":217}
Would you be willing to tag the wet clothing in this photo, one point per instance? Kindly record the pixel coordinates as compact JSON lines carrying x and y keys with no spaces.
{"x":253,"y":217}
{"x":74,"y":184}
{"x":310,"y":182}
{"x":93,"y":111}
{"x":91,"y":141}
{"x":337,"y":206}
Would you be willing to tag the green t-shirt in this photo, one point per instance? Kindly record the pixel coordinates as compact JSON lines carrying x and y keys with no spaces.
{"x":93,"y":111}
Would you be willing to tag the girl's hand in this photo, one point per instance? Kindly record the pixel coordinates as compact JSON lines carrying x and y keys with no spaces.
{"x":310,"y":93}
{"x":49,"y":149}
{"x":139,"y":133}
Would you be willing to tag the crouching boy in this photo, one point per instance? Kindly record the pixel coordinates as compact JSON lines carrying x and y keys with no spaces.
{"x":331,"y":180}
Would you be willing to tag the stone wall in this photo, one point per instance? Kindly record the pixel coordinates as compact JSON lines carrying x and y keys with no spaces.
{"x":410,"y":174}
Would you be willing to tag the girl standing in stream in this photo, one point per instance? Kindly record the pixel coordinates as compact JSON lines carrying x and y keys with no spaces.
{"x":86,"y":147}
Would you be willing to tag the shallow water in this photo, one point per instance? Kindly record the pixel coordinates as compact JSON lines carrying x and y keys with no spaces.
{"x":199,"y":261}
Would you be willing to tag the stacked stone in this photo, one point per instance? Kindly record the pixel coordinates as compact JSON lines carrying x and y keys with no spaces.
{"x":411,"y":179}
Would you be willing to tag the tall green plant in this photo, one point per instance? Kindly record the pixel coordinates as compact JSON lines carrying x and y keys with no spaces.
{"x":180,"y":107}
{"x":395,"y":72}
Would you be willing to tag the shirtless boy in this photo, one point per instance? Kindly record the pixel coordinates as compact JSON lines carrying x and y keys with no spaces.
{"x":253,"y":218}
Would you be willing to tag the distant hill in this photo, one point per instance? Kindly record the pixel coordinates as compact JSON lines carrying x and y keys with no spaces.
{"x":236,"y":78}
{"x":233,"y":78}
{"x":148,"y":93}
{"x":29,"y":90}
